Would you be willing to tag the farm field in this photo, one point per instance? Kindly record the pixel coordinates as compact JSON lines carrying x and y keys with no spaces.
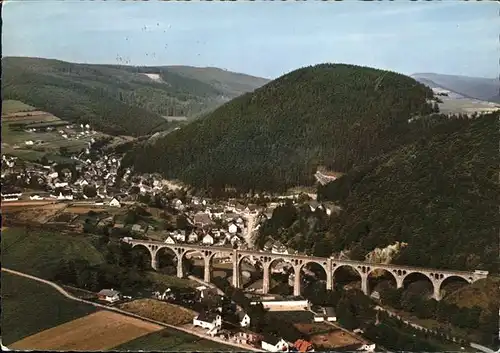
{"x":102,"y":330}
{"x":163,"y":281}
{"x":32,"y":211}
{"x":466,"y":105}
{"x":160,"y":311}
{"x":38,"y":252}
{"x":175,"y":341}
{"x":12,"y":106}
{"x":327,"y":336}
{"x":18,"y":117}
{"x":294,"y":317}
{"x":29,"y":307}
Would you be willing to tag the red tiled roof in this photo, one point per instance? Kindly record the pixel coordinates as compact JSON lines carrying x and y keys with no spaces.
{"x":303,"y":345}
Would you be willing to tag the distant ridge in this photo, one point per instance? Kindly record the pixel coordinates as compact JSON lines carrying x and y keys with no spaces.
{"x":486,"y":89}
{"x":120,"y":99}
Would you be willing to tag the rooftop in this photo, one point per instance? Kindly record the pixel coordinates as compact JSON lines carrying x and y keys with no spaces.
{"x":108,"y":292}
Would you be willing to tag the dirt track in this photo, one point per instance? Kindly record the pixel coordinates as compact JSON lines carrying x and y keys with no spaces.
{"x":95,"y":332}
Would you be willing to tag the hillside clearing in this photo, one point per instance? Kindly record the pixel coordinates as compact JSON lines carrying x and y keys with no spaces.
{"x":39,"y":252}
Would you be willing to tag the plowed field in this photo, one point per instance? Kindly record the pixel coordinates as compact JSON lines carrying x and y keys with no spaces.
{"x":95,"y":332}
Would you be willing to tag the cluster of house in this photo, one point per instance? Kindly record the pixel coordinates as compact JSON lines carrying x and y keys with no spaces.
{"x":67,"y":132}
{"x":205,"y":231}
{"x":212,"y":322}
{"x":228,"y":209}
{"x":221,"y":224}
{"x":99,"y":175}
{"x":11,"y":194}
{"x":96,"y":179}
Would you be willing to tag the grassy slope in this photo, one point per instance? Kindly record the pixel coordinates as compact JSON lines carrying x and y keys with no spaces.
{"x":275,"y":137}
{"x":170,"y":340}
{"x":29,"y":307}
{"x":39,"y":253}
{"x":114,"y":99}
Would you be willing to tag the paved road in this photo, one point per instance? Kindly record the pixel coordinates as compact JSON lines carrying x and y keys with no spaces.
{"x":105,"y":307}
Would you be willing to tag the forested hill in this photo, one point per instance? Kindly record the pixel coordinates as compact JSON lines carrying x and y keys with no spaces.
{"x":331,"y":114}
{"x":119,"y":99}
{"x":439,"y":194}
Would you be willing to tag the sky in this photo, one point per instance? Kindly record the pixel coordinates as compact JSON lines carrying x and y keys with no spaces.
{"x":260,"y":38}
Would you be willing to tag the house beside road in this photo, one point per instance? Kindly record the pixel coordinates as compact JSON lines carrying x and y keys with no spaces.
{"x":271,"y":343}
{"x":109,"y":295}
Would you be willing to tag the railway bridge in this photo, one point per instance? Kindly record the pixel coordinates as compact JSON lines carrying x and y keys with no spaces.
{"x":330,"y":265}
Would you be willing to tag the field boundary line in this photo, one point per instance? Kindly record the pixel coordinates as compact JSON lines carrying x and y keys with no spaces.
{"x":105,"y":307}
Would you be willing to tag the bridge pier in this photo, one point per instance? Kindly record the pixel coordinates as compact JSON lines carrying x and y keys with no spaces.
{"x":437,"y":290}
{"x":154,"y":258}
{"x":399,"y":282}
{"x":206,"y":268}
{"x":296,"y":281}
{"x":236,"y":270}
{"x":180,"y":269}
{"x":329,"y":274}
{"x":154,"y":261}
{"x":364,"y":284}
{"x":265,"y":279}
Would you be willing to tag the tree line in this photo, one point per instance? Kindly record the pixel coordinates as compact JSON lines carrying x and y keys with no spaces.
{"x":123,"y":269}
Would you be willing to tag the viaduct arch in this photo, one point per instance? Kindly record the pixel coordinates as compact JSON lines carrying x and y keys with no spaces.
{"x":330,"y":265}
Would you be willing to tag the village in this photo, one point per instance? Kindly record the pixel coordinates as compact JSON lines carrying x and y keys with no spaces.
{"x":93,"y":196}
{"x":95,"y":179}
{"x":94,"y":183}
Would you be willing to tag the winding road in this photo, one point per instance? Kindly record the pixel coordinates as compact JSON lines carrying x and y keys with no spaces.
{"x":105,"y":307}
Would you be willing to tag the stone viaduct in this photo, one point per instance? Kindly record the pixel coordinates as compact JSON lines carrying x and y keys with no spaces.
{"x":330,"y":266}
